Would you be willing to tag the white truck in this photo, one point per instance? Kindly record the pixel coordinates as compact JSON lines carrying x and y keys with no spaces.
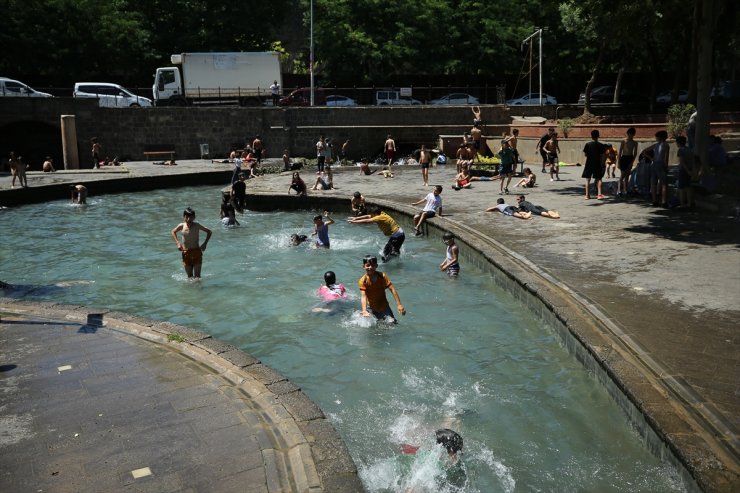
{"x":242,"y":78}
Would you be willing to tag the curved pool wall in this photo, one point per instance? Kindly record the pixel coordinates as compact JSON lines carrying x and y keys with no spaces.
{"x":582,"y":328}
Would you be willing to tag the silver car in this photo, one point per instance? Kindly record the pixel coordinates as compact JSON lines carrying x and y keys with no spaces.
{"x":110,"y":95}
{"x":11,"y":88}
{"x":456,"y":98}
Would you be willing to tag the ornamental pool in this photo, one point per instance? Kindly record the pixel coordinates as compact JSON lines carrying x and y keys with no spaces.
{"x":466,"y":356}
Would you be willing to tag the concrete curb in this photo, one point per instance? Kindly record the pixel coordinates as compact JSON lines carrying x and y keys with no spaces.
{"x":303,"y":453}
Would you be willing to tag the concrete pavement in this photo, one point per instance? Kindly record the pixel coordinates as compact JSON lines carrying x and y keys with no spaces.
{"x":651,"y":293}
{"x":149,"y":406}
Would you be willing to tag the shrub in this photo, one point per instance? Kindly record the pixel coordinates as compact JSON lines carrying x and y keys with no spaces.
{"x":678,"y":118}
{"x":565,"y":125}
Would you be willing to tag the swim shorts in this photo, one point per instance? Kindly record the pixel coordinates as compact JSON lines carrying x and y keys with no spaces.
{"x":192,"y":256}
{"x":384,"y":315}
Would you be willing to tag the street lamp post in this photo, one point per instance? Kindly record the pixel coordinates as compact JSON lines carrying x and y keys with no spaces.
{"x":310,"y":61}
{"x":538,"y":32}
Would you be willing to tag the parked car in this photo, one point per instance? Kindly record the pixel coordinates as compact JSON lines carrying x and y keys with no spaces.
{"x":409,"y":100}
{"x":339,"y":100}
{"x":667,"y":97}
{"x":392,"y":97}
{"x":110,"y":95}
{"x":302,"y":97}
{"x":12,"y":88}
{"x":726,"y":90}
{"x":456,"y":98}
{"x":532,"y":99}
{"x":605,"y":94}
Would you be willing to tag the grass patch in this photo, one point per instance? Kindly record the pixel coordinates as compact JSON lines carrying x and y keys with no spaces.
{"x":175,"y":337}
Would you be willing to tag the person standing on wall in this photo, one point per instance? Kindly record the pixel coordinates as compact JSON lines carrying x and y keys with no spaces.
{"x":320,"y":153}
{"x":258,"y":148}
{"x":97,"y":149}
{"x":390,"y":150}
{"x":275,"y":91}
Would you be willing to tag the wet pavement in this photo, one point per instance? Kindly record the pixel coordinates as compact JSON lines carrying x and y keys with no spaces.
{"x":652,"y":293}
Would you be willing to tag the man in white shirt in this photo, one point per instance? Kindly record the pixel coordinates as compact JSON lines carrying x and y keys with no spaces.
{"x":432,"y":208}
{"x":275,"y":90}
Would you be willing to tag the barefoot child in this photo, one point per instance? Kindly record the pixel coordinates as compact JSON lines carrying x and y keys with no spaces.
{"x":192,"y":250}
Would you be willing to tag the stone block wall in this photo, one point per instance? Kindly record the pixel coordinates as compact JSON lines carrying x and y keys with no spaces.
{"x":125,"y":132}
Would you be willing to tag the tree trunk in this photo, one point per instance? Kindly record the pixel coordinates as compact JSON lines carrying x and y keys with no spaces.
{"x":618,"y":83}
{"x":592,"y":80}
{"x":693,"y":53}
{"x":706,"y":23}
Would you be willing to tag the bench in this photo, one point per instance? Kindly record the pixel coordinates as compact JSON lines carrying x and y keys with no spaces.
{"x":159,"y":150}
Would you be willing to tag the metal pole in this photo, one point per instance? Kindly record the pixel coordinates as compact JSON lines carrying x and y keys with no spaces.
{"x":540,"y":31}
{"x":310,"y":62}
{"x":530,"y":70}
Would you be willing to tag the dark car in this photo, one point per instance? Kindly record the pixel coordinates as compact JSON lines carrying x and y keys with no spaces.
{"x":603,"y":94}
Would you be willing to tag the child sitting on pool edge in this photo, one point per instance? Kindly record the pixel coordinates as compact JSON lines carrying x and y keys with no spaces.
{"x":372,"y":289}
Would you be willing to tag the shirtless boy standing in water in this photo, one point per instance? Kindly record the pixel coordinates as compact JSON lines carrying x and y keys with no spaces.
{"x":192,"y":250}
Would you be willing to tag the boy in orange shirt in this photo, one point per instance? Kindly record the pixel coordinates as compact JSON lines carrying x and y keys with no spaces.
{"x":372,"y":289}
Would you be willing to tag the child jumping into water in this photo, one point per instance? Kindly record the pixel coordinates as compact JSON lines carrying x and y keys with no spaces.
{"x":372,"y":290}
{"x":192,"y":250}
{"x":388,"y":226}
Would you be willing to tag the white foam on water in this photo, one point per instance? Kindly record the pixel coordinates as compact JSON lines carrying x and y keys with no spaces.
{"x":502,"y":472}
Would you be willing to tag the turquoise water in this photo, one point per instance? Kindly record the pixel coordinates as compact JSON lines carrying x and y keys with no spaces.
{"x":466,"y":356}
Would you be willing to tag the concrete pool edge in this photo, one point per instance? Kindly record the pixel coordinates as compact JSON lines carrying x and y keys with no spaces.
{"x":308,"y":454}
{"x":689,"y":435}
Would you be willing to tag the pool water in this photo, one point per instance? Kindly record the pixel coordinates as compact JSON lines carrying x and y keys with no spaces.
{"x":467,"y":356}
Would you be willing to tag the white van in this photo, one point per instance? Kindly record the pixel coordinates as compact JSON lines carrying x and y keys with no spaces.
{"x":390,"y":97}
{"x":12,"y":88}
{"x":110,"y":95}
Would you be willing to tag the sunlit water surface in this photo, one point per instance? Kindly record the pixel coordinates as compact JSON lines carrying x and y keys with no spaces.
{"x":466,"y":356}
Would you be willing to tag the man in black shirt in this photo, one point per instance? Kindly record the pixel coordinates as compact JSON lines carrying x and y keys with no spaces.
{"x":595,"y":153}
{"x":541,"y":147}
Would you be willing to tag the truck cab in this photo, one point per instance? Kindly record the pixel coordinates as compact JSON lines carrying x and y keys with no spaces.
{"x":167,"y":89}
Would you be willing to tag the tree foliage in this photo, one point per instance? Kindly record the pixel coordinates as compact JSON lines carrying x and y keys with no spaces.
{"x":57,"y":42}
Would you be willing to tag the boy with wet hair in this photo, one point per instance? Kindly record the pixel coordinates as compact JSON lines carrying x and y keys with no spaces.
{"x":450,"y":265}
{"x":192,"y":250}
{"x":321,"y":230}
{"x":372,"y":290}
{"x":358,"y":204}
